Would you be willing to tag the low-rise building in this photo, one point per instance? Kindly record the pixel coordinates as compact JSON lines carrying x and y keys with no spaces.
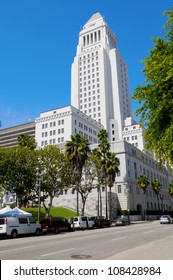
{"x":126,"y":195}
{"x":9,"y":136}
{"x":55,"y":127}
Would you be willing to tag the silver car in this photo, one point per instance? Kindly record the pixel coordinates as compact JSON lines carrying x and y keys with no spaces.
{"x":166,"y":219}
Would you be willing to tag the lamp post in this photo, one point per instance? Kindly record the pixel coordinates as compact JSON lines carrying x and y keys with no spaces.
{"x":39,"y":202}
{"x":39,"y":194}
{"x":127,"y":191}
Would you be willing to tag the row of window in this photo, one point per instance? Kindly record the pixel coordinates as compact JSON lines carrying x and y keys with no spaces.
{"x":52,"y":141}
{"x":126,"y":128}
{"x":149,"y":174}
{"x":52,"y":132}
{"x":88,"y":55}
{"x":51,"y":124}
{"x":89,"y":100}
{"x":91,"y":38}
{"x":89,"y":94}
{"x":88,"y":60}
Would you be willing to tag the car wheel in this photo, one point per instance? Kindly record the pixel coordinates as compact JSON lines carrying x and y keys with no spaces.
{"x":56,"y":230}
{"x":37,"y":232}
{"x":14,"y":234}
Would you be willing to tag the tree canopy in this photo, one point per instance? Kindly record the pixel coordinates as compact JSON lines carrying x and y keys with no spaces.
{"x":155,"y":96}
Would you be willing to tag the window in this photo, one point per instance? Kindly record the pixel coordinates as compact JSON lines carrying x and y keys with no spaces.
{"x":119,"y":189}
{"x":23,"y":221}
{"x":31,"y":220}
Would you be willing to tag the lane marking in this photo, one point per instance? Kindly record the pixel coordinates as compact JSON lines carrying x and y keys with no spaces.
{"x":119,"y":238}
{"x":16,"y":249}
{"x":148,"y":231}
{"x":58,"y":252}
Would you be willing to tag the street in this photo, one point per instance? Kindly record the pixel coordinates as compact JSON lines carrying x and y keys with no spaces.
{"x":147,"y":240}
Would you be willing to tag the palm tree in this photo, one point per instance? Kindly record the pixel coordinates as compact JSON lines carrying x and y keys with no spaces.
{"x":156,"y":185}
{"x":112,"y":163}
{"x":103,"y":148}
{"x":77,"y":151}
{"x":109,"y":166}
{"x":95,"y":157}
{"x":170,"y":190}
{"x":143,"y":183}
{"x":28,"y":141}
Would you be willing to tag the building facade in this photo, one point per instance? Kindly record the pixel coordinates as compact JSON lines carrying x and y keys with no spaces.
{"x":100,"y":99}
{"x":99,"y":78}
{"x":125,"y":193}
{"x":9,"y":136}
{"x":55,"y":127}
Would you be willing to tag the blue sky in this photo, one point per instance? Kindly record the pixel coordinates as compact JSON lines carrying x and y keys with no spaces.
{"x":38,"y":40}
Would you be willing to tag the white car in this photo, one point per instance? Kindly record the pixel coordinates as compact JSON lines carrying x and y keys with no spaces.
{"x":83,"y":222}
{"x":166,"y":219}
{"x":14,"y":226}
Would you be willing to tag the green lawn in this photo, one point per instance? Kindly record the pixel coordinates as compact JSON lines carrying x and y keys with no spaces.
{"x":55,"y":212}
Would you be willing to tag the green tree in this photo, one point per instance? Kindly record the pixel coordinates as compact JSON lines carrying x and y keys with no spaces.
{"x":25,"y":140}
{"x":143,"y":183}
{"x":18,"y":172}
{"x":109,"y":166}
{"x":87,"y":180}
{"x":54,"y":174}
{"x":155,"y":96}
{"x":112,"y":163}
{"x":103,"y":148}
{"x":95,"y":156}
{"x":156,"y":185}
{"x":77,"y":151}
{"x":170,"y":190}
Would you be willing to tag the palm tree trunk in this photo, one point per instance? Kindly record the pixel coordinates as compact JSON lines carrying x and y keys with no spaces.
{"x":144,"y":207}
{"x":110,"y":204}
{"x":77,"y":201}
{"x":158,"y":202}
{"x":100,"y":203}
{"x":106,"y":198}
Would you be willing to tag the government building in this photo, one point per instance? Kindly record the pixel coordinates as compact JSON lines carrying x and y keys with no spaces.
{"x":100,"y":98}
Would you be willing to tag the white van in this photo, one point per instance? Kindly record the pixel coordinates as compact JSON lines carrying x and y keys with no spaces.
{"x":14,"y":226}
{"x":83,"y":222}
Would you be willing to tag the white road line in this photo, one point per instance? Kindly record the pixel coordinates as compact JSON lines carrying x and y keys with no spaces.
{"x":119,"y":238}
{"x":58,"y":252}
{"x":16,"y":249}
{"x":148,"y":231}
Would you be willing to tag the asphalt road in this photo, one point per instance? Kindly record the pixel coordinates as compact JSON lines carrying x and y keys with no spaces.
{"x":148,"y":240}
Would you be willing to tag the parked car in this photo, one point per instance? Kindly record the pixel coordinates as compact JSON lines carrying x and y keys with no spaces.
{"x":101,"y":221}
{"x":14,"y":226}
{"x":166,"y":219}
{"x":82,"y":222}
{"x":56,"y":225}
{"x":123,"y":221}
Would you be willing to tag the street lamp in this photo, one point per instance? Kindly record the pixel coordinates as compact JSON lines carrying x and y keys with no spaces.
{"x":127,"y":192}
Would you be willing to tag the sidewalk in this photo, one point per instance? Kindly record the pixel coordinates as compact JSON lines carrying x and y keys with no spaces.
{"x":153,"y":250}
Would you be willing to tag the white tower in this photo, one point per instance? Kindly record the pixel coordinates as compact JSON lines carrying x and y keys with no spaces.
{"x":99,"y":79}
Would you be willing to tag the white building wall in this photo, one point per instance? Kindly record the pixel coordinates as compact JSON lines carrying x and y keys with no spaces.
{"x":55,"y":127}
{"x":100,"y":56}
{"x":125,"y":193}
